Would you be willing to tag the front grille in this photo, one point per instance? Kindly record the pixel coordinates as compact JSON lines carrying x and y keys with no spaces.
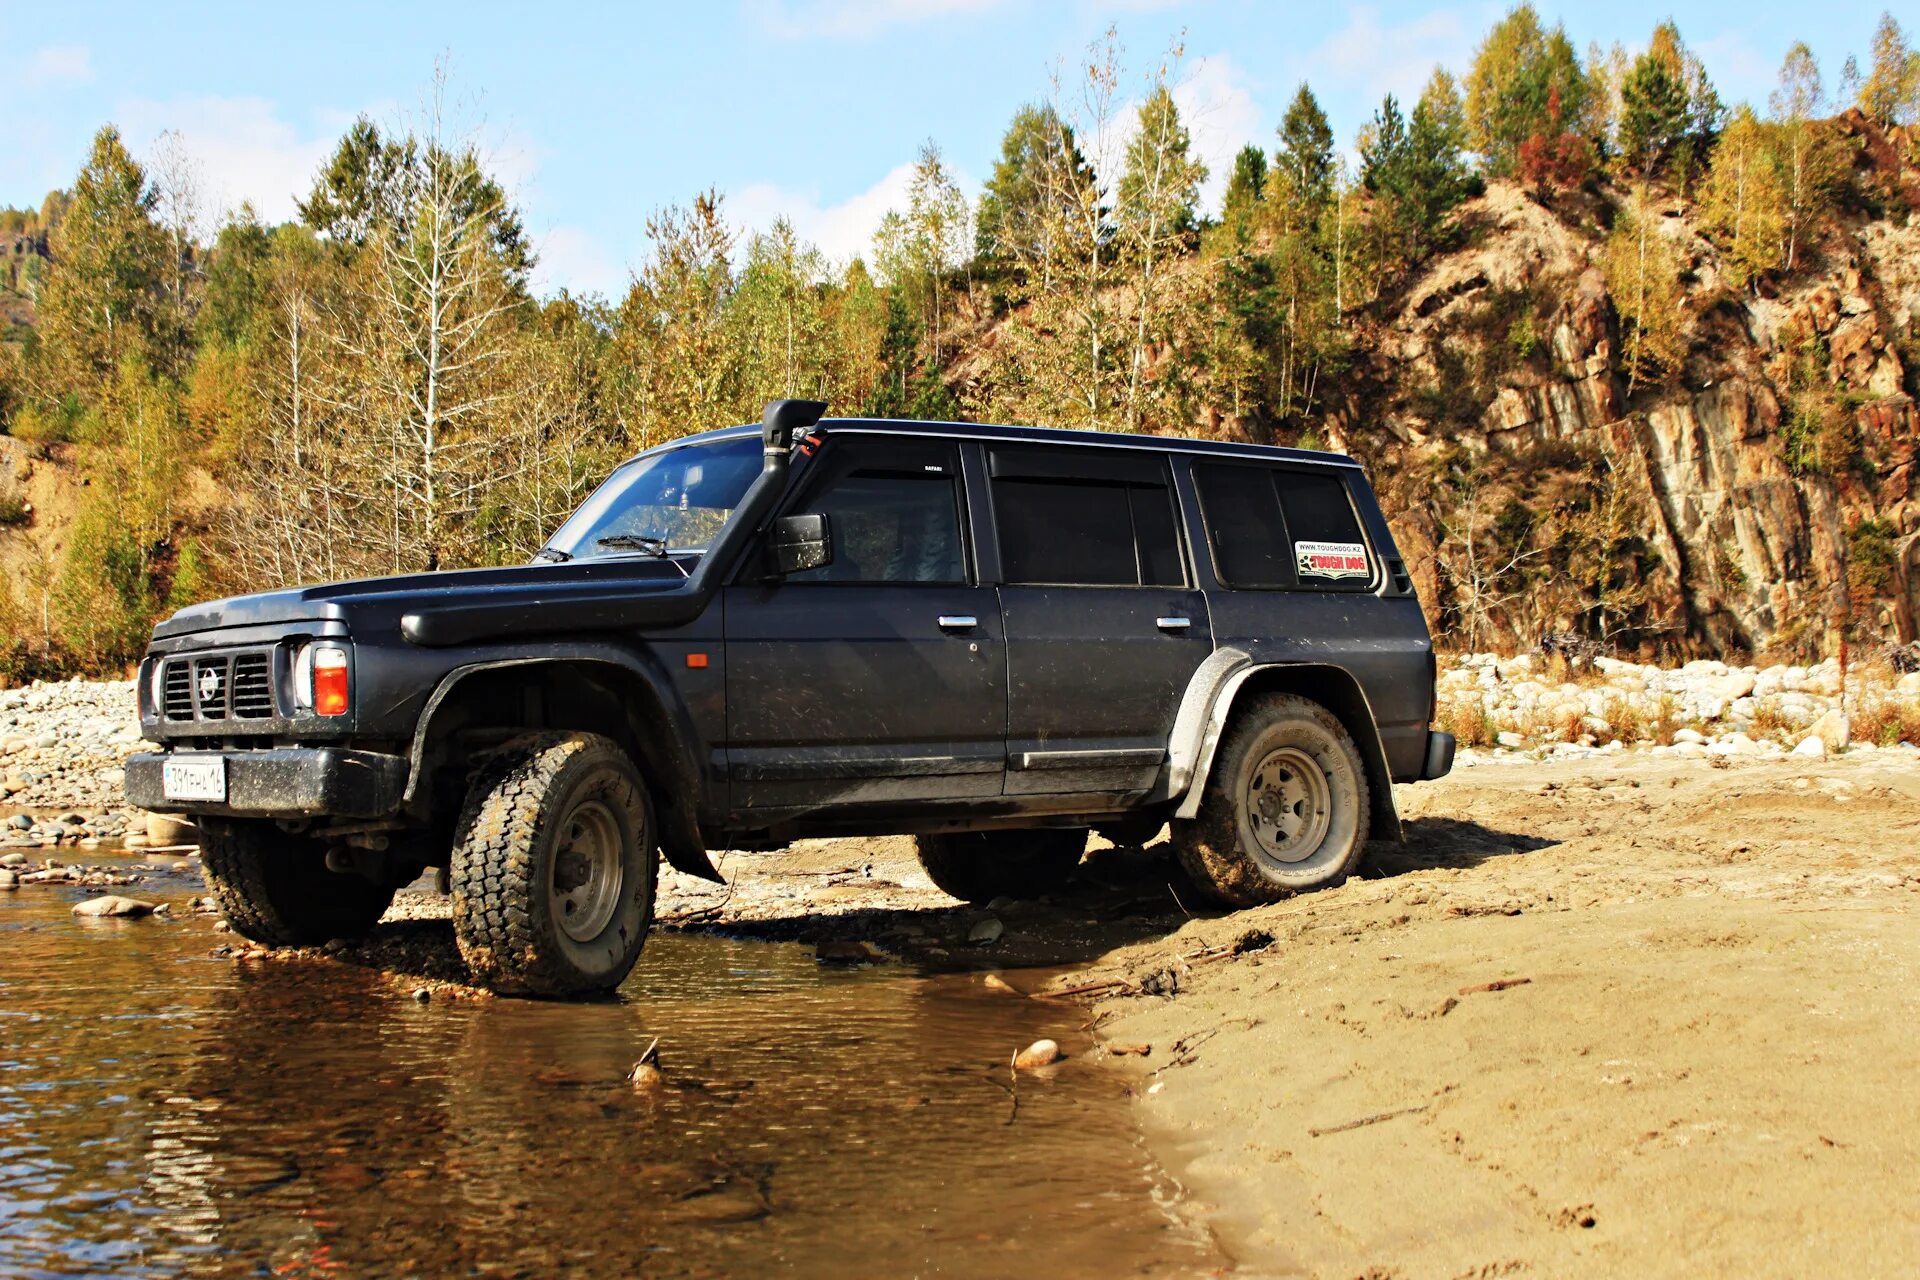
{"x":218,"y":687}
{"x":252,"y":686}
{"x":177,"y":691}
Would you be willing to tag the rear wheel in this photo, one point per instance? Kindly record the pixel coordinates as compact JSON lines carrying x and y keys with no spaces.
{"x":553,"y":868}
{"x":979,"y":866}
{"x":275,"y":888}
{"x":1285,"y":808}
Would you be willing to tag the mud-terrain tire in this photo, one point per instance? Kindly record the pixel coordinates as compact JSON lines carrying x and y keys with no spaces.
{"x":979,"y":866}
{"x":1285,"y":809}
{"x":275,"y":888}
{"x":554,"y":867}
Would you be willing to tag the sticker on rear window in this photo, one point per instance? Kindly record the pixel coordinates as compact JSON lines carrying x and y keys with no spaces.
{"x":1330,"y":559}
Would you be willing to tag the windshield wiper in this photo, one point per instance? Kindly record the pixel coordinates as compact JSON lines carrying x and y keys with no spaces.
{"x":635,"y":542}
{"x":553,"y":555}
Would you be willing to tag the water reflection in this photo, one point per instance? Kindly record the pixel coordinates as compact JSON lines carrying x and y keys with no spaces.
{"x":167,"y":1114}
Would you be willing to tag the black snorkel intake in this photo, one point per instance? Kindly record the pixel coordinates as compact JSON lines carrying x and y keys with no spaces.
{"x":782,"y":423}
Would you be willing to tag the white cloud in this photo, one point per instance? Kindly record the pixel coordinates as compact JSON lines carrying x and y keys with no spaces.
{"x":59,"y":65}
{"x":1379,"y":60}
{"x":573,"y":258}
{"x":854,"y":19}
{"x":1222,"y":116}
{"x":240,"y":148}
{"x":841,"y":231}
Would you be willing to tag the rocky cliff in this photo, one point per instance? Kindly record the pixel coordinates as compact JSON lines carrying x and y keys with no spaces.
{"x":1759,"y":498}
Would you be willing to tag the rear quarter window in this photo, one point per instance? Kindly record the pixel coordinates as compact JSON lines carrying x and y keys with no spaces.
{"x":1273,"y":527}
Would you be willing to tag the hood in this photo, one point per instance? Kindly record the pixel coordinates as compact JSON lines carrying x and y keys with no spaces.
{"x":379,"y":603}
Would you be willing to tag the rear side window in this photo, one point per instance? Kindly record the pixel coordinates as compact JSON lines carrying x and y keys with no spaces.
{"x":1279,"y":528}
{"x":1083,"y":520}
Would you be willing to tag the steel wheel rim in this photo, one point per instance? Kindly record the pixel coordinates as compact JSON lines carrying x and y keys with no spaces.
{"x":584,"y":886}
{"x":1289,"y":805}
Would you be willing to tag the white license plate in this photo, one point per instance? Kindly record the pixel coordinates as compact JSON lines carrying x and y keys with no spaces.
{"x":194,"y":778}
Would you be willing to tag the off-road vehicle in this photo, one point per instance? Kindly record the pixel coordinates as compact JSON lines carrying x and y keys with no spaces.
{"x":992,"y":638}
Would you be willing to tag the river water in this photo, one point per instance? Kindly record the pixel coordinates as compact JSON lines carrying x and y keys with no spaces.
{"x":167,"y":1113}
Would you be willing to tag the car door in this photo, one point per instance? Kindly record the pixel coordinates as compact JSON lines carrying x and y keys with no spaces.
{"x":879,"y":679}
{"x":1104,"y":627}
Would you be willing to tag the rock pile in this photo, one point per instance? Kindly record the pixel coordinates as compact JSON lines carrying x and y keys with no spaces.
{"x":1705,"y":708}
{"x":63,"y":745}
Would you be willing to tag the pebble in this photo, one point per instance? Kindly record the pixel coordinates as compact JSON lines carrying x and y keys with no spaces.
{"x":422,"y":994}
{"x":13,"y":859}
{"x":1812,"y":748}
{"x":9,"y":880}
{"x":1041,"y":1053}
{"x":986,"y":932}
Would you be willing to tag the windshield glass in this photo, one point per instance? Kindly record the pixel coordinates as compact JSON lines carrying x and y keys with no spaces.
{"x":680,"y":497}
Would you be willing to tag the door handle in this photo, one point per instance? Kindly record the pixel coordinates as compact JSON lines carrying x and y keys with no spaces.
{"x":957,"y":621}
{"x":1173,"y":624}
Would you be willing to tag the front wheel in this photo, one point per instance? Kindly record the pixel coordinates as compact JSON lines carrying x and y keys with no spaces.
{"x":553,"y":867}
{"x":275,"y":888}
{"x":1285,"y":809}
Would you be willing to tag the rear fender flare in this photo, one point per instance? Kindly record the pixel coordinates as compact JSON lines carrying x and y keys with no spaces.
{"x":677,"y":810}
{"x":1207,"y":708}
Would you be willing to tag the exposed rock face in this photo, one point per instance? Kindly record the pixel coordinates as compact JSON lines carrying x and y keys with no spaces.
{"x":1745,"y":537}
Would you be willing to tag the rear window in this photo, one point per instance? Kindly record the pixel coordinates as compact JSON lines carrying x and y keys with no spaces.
{"x":1278,"y":528}
{"x":1067,"y":517}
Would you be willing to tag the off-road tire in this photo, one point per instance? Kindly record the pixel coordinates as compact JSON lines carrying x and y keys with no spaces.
{"x":979,"y":866}
{"x":523,"y":807}
{"x":275,"y":888}
{"x":1222,"y":848}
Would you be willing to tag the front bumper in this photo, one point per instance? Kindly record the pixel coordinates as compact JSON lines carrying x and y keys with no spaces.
{"x":1439,"y":759}
{"x":284,"y":782}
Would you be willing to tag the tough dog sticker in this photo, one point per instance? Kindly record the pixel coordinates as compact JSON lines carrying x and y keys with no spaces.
{"x":1331,"y":559}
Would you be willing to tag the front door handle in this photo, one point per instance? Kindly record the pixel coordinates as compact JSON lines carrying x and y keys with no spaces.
{"x":957,"y":622}
{"x":1173,"y":624}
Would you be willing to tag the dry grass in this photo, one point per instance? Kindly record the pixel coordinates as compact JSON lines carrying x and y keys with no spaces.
{"x":1770,"y":722}
{"x":1886,"y":722}
{"x":1468,"y":719}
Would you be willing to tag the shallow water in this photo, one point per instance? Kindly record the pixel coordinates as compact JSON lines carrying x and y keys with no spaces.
{"x":165,"y":1113}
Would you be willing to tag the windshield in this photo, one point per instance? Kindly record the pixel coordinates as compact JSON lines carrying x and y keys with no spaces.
{"x":676,"y":500}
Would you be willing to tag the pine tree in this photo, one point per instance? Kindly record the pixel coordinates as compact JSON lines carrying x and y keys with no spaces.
{"x":1416,"y":168}
{"x":107,"y":299}
{"x":1302,"y":182}
{"x":1653,"y":116}
{"x":1246,"y":186}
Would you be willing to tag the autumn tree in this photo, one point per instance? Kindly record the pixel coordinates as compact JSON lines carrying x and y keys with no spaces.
{"x":1519,"y":68}
{"x":1669,"y":109}
{"x":1806,"y":153}
{"x":1159,"y":192}
{"x":1642,"y":267}
{"x":1742,"y":205}
{"x":1890,"y":94}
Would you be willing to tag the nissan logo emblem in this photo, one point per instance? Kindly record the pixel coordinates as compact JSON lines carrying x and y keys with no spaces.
{"x":209,"y":685}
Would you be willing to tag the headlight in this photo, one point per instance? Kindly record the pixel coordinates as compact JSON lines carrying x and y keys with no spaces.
{"x":303,"y":678}
{"x":156,"y":688}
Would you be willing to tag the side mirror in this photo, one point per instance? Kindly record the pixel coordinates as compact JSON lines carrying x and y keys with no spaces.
{"x":802,"y":542}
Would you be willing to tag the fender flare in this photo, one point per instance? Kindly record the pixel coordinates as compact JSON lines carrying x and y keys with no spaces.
{"x":1208,"y":705}
{"x":680,"y":839}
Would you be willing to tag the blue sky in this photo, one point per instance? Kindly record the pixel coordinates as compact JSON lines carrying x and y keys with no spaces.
{"x":598,"y":114}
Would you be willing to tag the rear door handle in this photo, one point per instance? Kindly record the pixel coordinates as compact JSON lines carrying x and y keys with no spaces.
{"x":1173,"y":624}
{"x":957,"y":622}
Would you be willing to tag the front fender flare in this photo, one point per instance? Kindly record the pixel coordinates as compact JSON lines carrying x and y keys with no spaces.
{"x":680,"y":839}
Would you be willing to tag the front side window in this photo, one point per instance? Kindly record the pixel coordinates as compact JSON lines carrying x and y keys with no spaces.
{"x":674,"y":499}
{"x":894,"y":513}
